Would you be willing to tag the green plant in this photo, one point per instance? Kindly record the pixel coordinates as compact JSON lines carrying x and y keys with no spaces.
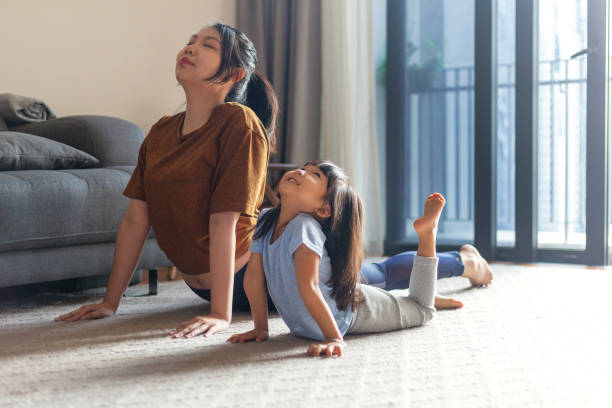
{"x":419,"y":77}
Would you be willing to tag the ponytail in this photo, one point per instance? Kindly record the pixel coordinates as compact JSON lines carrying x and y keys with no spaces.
{"x":343,"y":230}
{"x":344,"y":243}
{"x":253,"y":90}
{"x":261,"y":98}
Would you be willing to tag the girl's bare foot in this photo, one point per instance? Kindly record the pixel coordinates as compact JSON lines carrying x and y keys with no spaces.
{"x":443,"y":302}
{"x":429,"y":221}
{"x":476,"y":268}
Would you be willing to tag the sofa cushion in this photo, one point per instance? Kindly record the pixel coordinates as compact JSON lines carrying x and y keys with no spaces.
{"x":52,"y":208}
{"x":113,"y":141}
{"x":21,"y":151}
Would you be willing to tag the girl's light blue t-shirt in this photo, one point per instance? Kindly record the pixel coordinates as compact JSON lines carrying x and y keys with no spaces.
{"x":279,"y":269}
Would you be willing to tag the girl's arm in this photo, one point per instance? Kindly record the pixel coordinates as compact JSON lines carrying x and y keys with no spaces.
{"x":255,"y":288}
{"x":307,"y":276}
{"x":222,"y":230}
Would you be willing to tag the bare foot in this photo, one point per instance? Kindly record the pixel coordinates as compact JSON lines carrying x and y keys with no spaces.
{"x":429,"y":221}
{"x":443,"y":302}
{"x":477,"y":269}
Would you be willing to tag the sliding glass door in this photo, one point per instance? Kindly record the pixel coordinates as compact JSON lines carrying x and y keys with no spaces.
{"x":430,"y":117}
{"x":549,"y":178}
{"x":501,"y":105}
{"x":505,"y":107}
{"x":609,"y":131}
{"x":562,"y":123}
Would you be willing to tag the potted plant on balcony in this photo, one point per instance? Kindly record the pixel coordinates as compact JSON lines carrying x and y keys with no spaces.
{"x":419,"y":77}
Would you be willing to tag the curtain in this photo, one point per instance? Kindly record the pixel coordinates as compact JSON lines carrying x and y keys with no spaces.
{"x":287,"y":37}
{"x":348,"y":106}
{"x":319,"y":57}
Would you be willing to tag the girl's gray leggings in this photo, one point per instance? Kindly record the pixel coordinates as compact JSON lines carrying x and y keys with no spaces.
{"x":381,"y":311}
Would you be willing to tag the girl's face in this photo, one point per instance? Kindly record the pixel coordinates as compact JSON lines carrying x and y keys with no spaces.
{"x":200,"y":58}
{"x":306,"y":188}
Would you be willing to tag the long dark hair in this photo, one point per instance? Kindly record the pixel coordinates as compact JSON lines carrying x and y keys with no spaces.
{"x":342,"y":229}
{"x":253,"y":90}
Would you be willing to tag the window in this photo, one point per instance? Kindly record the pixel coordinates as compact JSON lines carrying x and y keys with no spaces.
{"x":537,"y":138}
{"x":430,"y":131}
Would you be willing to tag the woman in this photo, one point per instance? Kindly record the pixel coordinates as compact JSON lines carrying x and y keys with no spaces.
{"x":200,"y":176}
{"x":200,"y":180}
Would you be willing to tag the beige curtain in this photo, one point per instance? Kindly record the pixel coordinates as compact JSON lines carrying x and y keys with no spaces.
{"x":348,"y":106}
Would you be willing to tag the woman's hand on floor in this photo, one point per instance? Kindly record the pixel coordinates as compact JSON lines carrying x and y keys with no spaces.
{"x":326,"y":349}
{"x":88,"y":312}
{"x":206,"y":325}
{"x":258,"y":335}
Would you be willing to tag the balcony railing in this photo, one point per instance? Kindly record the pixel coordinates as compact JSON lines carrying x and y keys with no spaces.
{"x":440,"y":148}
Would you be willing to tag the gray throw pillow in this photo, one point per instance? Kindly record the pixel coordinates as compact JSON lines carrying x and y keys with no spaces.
{"x":3,"y":125}
{"x":22,"y":151}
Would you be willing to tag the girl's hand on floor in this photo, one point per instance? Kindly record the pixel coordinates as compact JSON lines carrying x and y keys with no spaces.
{"x":206,"y":325}
{"x":88,"y":312}
{"x":258,"y":335}
{"x":326,"y":349}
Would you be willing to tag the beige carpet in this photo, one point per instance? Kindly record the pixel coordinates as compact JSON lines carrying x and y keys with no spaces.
{"x":539,"y":336}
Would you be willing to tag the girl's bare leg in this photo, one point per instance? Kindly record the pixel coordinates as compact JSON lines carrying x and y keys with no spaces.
{"x":427,"y":228}
{"x":423,"y":277}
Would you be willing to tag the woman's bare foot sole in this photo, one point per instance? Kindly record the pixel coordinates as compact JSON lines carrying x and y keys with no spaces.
{"x":443,"y":302}
{"x":476,"y":268}
{"x":429,"y":221}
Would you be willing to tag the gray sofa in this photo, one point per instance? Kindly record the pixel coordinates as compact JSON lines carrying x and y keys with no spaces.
{"x":62,"y":224}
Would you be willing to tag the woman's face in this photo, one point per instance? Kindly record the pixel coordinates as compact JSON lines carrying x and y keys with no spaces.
{"x":305,"y":187}
{"x":199,"y":58}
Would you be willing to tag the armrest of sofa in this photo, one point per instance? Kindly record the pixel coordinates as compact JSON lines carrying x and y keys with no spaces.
{"x":113,"y":141}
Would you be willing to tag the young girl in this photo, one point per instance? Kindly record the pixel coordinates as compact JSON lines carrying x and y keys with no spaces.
{"x":308,"y":252}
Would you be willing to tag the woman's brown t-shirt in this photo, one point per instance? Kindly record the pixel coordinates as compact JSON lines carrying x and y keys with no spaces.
{"x":186,"y":178}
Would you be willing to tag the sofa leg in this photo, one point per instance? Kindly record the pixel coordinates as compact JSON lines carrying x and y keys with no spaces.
{"x":153,"y":281}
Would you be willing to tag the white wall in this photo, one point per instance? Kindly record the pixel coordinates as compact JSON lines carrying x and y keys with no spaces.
{"x":112,"y":57}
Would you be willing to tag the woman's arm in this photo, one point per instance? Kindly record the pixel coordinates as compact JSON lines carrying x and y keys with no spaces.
{"x":131,"y":236}
{"x":307,"y":276}
{"x":222,"y":230}
{"x":255,"y":288}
